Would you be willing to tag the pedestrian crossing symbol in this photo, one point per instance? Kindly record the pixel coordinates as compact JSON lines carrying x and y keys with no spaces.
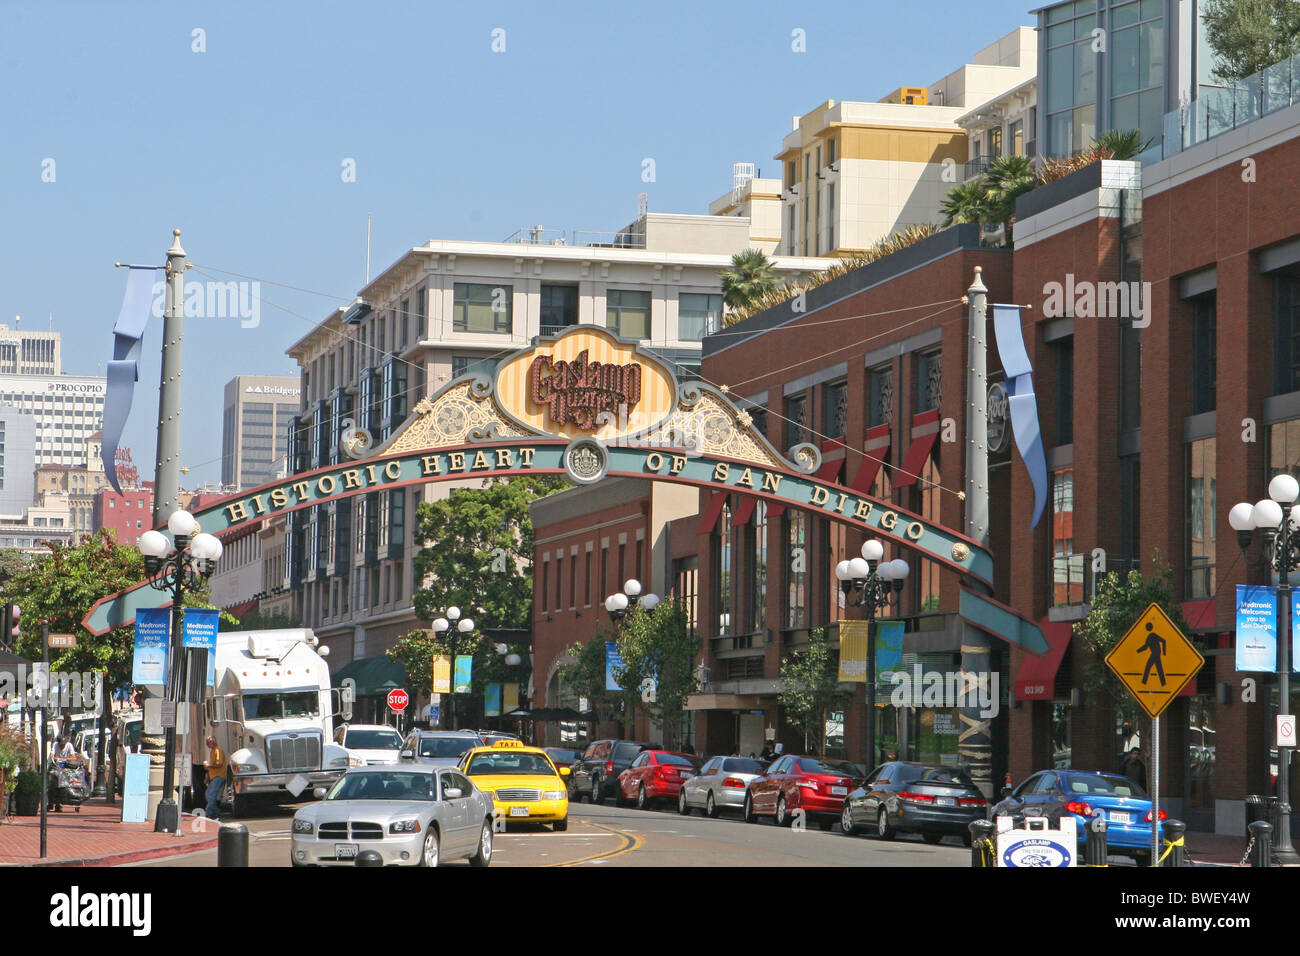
{"x":1154,"y":660}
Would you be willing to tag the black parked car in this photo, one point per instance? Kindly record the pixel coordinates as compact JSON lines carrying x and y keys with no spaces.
{"x":914,"y":798}
{"x":595,"y":773}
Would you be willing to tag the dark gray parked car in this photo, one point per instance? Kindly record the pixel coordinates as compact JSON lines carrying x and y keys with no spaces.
{"x":438,"y":748}
{"x":595,"y":773}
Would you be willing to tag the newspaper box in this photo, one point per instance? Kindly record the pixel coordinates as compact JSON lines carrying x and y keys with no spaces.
{"x":1036,"y":843}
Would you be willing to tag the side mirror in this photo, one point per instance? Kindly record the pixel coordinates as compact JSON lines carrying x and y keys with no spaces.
{"x":406,"y":755}
{"x":319,"y":793}
{"x":452,"y":793}
{"x":565,"y":771}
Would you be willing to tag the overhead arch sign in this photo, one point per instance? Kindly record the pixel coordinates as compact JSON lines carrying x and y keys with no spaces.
{"x":588,"y":405}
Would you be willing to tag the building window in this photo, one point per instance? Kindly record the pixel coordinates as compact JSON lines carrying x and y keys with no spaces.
{"x":627,"y":313}
{"x":698,"y":315}
{"x":481,"y":308}
{"x":759,"y":592}
{"x":471,"y":365}
{"x":796,"y":569}
{"x":559,"y":307}
{"x":929,"y":380}
{"x":758,"y":416}
{"x":686,"y":586}
{"x":586,"y":580}
{"x":1204,"y":353}
{"x":1137,"y":67}
{"x":1064,"y":391}
{"x":1016,"y":134}
{"x":881,"y":386}
{"x":1067,"y":567}
{"x":573,"y":581}
{"x":837,"y":409}
{"x":1201,"y":518}
{"x":1070,"y":87}
{"x":796,"y":419}
{"x":722,"y":575}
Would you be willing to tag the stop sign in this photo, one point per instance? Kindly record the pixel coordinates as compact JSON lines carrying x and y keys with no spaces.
{"x":397,"y":700}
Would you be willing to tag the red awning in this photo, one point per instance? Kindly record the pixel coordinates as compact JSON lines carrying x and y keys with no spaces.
{"x":744,"y":511}
{"x":917,"y":452}
{"x":1036,"y":678}
{"x":877,"y":449}
{"x":709,"y":519}
{"x":830,"y":470}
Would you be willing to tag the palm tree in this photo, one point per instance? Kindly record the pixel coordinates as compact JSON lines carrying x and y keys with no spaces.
{"x":965,"y":202}
{"x":1008,"y":178}
{"x":1122,"y":144}
{"x":749,"y":279}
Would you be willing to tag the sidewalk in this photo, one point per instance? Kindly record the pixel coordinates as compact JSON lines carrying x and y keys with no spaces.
{"x":97,"y":837}
{"x":1215,"y":848}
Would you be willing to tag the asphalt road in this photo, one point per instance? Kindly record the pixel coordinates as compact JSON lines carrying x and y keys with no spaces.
{"x":611,"y":836}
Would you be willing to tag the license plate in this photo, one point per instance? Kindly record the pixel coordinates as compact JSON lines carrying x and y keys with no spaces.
{"x":1121,"y":817}
{"x":945,"y":801}
{"x":345,"y":851}
{"x":839,"y":791}
{"x":519,"y":811}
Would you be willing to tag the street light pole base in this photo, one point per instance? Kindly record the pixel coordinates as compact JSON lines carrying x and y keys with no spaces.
{"x":168,"y":817}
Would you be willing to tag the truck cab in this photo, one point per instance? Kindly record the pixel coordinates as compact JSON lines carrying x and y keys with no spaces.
{"x":271,"y":709}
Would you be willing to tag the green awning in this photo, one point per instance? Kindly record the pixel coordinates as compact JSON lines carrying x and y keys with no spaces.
{"x":373,"y":675}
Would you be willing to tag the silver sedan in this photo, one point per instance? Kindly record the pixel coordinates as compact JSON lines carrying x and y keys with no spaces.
{"x":411,"y":815}
{"x":720,"y":785}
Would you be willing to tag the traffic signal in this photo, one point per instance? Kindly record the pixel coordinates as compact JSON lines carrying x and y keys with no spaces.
{"x":9,"y":625}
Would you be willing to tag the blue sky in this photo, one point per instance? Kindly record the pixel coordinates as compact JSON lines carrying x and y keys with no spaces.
{"x":242,"y":146}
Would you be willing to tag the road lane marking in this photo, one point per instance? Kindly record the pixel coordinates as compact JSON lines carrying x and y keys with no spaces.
{"x":629,"y":844}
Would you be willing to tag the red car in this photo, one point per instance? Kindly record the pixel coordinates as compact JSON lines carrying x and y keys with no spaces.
{"x":656,"y":775}
{"x":798,"y":783}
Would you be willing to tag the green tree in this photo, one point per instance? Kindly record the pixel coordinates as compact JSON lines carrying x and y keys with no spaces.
{"x":659,"y":645}
{"x":749,"y":279}
{"x":416,"y":651}
{"x":1249,"y":35}
{"x":810,"y":687}
{"x":966,"y":202}
{"x":1008,"y":178}
{"x":1120,"y":600}
{"x":478,"y":551}
{"x":584,"y":676}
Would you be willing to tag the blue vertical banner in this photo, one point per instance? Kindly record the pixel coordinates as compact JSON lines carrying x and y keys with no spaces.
{"x":613,"y":662}
{"x":124,"y":369}
{"x":464,"y":674}
{"x":1256,"y":628}
{"x":152,"y":645}
{"x":889,"y":648}
{"x":1295,"y":631}
{"x":199,"y":630}
{"x":492,"y":701}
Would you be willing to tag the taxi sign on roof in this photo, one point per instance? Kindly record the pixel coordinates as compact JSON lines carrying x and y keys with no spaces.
{"x":508,"y":744}
{"x":1154,"y":660}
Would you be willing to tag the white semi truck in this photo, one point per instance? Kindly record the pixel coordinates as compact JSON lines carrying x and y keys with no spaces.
{"x":272,"y":710}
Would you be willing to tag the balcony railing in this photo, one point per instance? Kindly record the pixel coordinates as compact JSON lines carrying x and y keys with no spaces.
{"x":537,"y":236}
{"x":1073,"y":580}
{"x":1220,"y":110}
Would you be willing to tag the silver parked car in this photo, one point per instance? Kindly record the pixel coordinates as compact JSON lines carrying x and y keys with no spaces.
{"x":412,"y":815}
{"x":720,"y":785}
{"x":439,"y":748}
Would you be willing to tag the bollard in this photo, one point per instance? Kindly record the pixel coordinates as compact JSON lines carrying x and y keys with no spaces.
{"x":981,"y":843}
{"x":369,"y":858}
{"x":1261,"y":843}
{"x":1174,"y":852}
{"x":1094,"y":850}
{"x":232,"y":845}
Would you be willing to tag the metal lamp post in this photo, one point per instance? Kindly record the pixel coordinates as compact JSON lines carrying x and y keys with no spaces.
{"x":1281,"y":529}
{"x":620,"y":604}
{"x":460,"y":628}
{"x":871,"y":583}
{"x":173,"y":570}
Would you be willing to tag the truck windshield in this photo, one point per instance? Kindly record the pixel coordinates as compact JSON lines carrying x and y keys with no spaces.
{"x":302,"y":703}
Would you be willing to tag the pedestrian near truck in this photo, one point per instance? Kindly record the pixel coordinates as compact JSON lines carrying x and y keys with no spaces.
{"x":216,"y":767}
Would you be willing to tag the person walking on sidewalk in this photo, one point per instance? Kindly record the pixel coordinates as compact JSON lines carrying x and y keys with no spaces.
{"x":216,"y":767}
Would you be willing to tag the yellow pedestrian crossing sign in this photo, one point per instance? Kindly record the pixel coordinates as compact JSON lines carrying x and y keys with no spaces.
{"x":1154,"y":660}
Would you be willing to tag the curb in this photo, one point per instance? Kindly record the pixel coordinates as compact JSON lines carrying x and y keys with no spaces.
{"x":128,"y":856}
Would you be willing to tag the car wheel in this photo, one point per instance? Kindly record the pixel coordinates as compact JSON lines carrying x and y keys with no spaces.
{"x":683,"y":807}
{"x":559,"y":826}
{"x":932,"y":838}
{"x":782,"y":818}
{"x":641,"y":801}
{"x":748,"y":811}
{"x":710,"y":808}
{"x":429,"y":854}
{"x":884,"y":829}
{"x":595,"y":791}
{"x":484,"y":855}
{"x":846,"y":820}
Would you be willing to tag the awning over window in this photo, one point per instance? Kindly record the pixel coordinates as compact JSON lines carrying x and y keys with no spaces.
{"x":830,"y":470}
{"x":1037,"y":675}
{"x":877,"y":451}
{"x":919,"y":451}
{"x":709,"y":520}
{"x":375,"y":676}
{"x":744,"y":511}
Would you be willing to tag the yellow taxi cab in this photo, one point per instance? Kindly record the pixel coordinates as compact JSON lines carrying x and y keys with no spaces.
{"x":522,"y":782}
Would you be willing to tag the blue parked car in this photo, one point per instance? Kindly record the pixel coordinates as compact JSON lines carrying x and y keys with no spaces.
{"x":1086,"y":795}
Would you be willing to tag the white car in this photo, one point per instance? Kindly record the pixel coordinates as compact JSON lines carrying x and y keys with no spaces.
{"x":369,"y":744}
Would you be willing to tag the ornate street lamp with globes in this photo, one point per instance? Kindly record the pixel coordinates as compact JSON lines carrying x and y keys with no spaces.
{"x":871,"y":583}
{"x":457,"y":631}
{"x":175,"y":567}
{"x":620,"y":603}
{"x":1276,"y":519}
